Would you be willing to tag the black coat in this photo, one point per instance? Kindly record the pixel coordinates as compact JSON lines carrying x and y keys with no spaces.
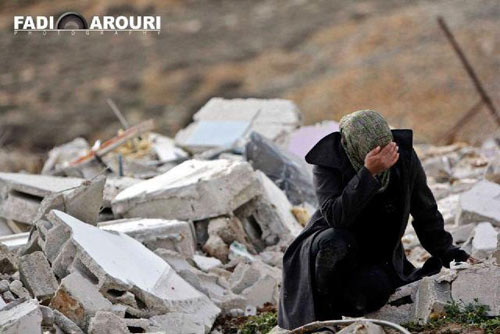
{"x":342,"y":195}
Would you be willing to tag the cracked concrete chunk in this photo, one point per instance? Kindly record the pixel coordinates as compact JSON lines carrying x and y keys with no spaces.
{"x":482,"y":283}
{"x":78,"y":299}
{"x":107,"y":323}
{"x":83,"y":202}
{"x":273,"y":213}
{"x":156,"y":233}
{"x":480,"y":204}
{"x":431,"y":298}
{"x":21,"y":317}
{"x":193,"y":190}
{"x":485,"y":240}
{"x":35,"y":273}
{"x":222,"y":122}
{"x":22,"y":194}
{"x":116,"y":263}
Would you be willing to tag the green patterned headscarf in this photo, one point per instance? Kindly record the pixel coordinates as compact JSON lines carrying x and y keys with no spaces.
{"x":361,"y":132}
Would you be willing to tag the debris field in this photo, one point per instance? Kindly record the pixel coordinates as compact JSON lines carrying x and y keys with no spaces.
{"x":148,"y":234}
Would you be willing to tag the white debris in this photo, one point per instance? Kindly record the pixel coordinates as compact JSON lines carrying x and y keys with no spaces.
{"x":206,"y":263}
{"x":193,"y":190}
{"x":223,"y":122}
{"x":21,"y":194}
{"x":117,"y":263}
{"x":21,"y":317}
{"x":485,"y":240}
{"x":481,"y":203}
{"x":156,"y":233}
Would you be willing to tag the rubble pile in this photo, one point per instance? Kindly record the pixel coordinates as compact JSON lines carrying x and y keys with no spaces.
{"x":148,"y":234}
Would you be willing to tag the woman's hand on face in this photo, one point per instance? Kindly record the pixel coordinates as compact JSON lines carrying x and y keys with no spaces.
{"x":380,"y":159}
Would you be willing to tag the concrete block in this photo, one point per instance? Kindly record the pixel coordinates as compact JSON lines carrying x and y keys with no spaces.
{"x":37,"y":276}
{"x":480,"y":204}
{"x":217,"y":248}
{"x":362,"y":327}
{"x":22,"y":194}
{"x":107,"y":323}
{"x":21,"y":317}
{"x":485,"y":240}
{"x":4,"y":285}
{"x":14,"y":241}
{"x":431,"y":298}
{"x":157,"y":233}
{"x":193,"y":190}
{"x":223,"y":122}
{"x":462,"y":233}
{"x":115,"y":185}
{"x":448,"y":207}
{"x":478,"y":282}
{"x":82,"y":202}
{"x":78,"y":299}
{"x":116,"y":263}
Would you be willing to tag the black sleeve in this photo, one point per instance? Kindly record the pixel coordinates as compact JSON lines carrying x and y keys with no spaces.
{"x":340,"y":207}
{"x":427,"y":220}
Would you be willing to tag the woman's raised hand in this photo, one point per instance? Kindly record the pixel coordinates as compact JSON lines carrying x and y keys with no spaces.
{"x":380,"y":159}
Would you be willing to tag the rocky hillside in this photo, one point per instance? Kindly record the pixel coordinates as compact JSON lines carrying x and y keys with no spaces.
{"x":330,"y":57}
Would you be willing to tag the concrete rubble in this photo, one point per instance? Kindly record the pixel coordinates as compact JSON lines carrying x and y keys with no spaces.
{"x":223,"y":122}
{"x":164,"y":236}
{"x":193,"y":190}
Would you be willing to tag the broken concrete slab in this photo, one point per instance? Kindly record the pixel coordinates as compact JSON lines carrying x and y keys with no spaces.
{"x":107,"y":323}
{"x":193,"y":190}
{"x":21,"y":317}
{"x":37,"y":276}
{"x":116,"y":263}
{"x":485,"y":287}
{"x":227,"y":122}
{"x":287,"y":171}
{"x":273,"y":212}
{"x":485,"y":240}
{"x":448,"y":207}
{"x":212,"y":285}
{"x":431,"y":298}
{"x":82,"y":202}
{"x":78,"y":299}
{"x":22,"y":194}
{"x":480,"y":204}
{"x":115,"y":185}
{"x":157,"y":233}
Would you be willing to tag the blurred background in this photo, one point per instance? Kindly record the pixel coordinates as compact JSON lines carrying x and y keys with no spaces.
{"x":329,"y":57}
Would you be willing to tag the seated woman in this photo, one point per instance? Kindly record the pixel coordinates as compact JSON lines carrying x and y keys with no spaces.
{"x":349,"y":258}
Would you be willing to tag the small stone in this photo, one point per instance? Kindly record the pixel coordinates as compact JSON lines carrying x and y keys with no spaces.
{"x":4,"y":285}
{"x":17,"y":288}
{"x":37,"y":276}
{"x":107,"y":323}
{"x":206,"y":263}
